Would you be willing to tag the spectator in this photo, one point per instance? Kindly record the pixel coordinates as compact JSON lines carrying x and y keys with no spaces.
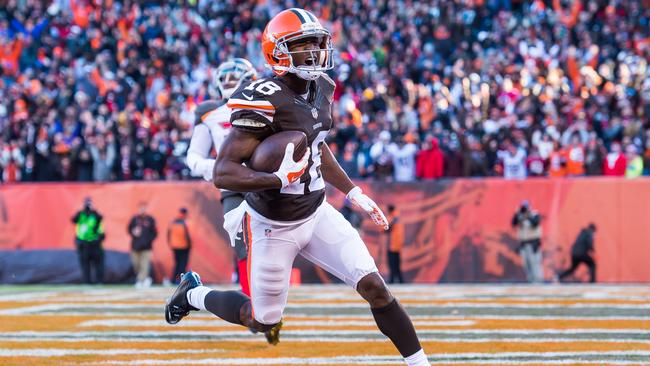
{"x":514,"y":162}
{"x":575,"y":157}
{"x":88,"y":240}
{"x":545,"y":147}
{"x":395,"y":235}
{"x":103,"y":155}
{"x":453,"y":159}
{"x":27,"y":172}
{"x":594,"y":157}
{"x":529,"y":234}
{"x":615,"y":162}
{"x":474,"y":160}
{"x":557,"y":162}
{"x":143,"y":231}
{"x":402,"y":155}
{"x":582,"y":252}
{"x":83,"y":160}
{"x":430,"y":160}
{"x":381,"y":157}
{"x":136,"y":71}
{"x":634,"y":162}
{"x":535,"y":163}
{"x":646,"y":157}
{"x":155,"y":161}
{"x":180,"y":241}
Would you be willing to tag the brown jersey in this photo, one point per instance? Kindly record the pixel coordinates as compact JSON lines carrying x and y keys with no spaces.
{"x":268,"y":106}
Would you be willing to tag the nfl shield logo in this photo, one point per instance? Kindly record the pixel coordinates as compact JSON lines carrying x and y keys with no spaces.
{"x":267,"y":232}
{"x":314,"y":112}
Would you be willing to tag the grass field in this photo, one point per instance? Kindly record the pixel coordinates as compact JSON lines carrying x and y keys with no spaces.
{"x":329,"y":325}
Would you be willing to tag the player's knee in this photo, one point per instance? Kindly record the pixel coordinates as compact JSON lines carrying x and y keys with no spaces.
{"x":270,"y":280}
{"x":373,"y":289}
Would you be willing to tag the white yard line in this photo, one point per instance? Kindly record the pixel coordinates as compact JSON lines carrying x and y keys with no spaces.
{"x":511,"y":358}
{"x":56,"y":352}
{"x":327,"y":332}
{"x":215,"y":322}
{"x":352,"y":305}
{"x":251,"y":338}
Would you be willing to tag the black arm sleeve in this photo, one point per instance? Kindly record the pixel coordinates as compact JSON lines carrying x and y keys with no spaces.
{"x":515,"y":219}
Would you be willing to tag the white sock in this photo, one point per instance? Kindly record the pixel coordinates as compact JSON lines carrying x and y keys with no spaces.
{"x":196,"y":296}
{"x":417,"y":359}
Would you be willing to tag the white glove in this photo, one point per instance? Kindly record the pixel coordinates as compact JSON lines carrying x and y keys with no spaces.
{"x":290,"y":170}
{"x":367,"y":204}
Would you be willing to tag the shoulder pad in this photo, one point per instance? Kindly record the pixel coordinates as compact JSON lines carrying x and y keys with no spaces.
{"x":257,"y":90}
{"x":257,"y":97}
{"x":328,"y":79}
{"x":204,"y":108}
{"x":327,"y":85}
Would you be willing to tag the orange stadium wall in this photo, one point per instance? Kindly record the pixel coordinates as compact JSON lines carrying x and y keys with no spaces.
{"x":456,"y":231}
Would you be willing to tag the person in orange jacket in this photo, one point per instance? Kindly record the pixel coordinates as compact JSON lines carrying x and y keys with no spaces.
{"x":395,"y":244}
{"x":179,"y":240}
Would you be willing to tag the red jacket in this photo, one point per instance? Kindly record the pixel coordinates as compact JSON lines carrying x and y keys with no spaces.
{"x":614,"y":167}
{"x":429,"y":164}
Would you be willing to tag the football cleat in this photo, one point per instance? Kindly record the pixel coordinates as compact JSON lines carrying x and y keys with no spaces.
{"x":273,"y":335}
{"x":177,"y":306}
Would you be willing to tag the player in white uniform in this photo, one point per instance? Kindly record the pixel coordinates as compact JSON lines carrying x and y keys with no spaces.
{"x":211,"y":127}
{"x":212,"y":122}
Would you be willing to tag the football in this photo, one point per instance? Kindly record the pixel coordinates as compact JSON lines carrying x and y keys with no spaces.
{"x":269,"y":153}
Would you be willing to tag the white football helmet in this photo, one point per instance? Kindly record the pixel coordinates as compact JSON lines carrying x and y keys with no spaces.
{"x":231,"y":74}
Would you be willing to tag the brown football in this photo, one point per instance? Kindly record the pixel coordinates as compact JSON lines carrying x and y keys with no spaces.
{"x":268,"y":155}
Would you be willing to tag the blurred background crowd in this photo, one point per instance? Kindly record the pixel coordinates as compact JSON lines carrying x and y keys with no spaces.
{"x":105,"y":90}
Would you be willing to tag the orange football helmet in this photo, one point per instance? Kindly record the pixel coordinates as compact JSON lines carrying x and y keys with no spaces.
{"x":291,"y":25}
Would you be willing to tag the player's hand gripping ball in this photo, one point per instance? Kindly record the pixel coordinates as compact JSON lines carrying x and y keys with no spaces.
{"x":284,"y":154}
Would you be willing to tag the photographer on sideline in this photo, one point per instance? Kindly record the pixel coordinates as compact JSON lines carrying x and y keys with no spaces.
{"x":529,"y":234}
{"x":89,"y":234}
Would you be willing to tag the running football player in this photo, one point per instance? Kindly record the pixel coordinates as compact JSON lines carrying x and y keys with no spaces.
{"x":285,"y":213}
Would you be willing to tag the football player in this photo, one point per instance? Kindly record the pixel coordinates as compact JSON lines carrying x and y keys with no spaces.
{"x":212,"y":124}
{"x":285,"y":213}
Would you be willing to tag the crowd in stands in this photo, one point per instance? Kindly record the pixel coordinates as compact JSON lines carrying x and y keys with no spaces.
{"x":105,"y":90}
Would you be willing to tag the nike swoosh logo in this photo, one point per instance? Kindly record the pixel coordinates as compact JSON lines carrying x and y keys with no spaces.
{"x":247,"y":97}
{"x":292,"y":177}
